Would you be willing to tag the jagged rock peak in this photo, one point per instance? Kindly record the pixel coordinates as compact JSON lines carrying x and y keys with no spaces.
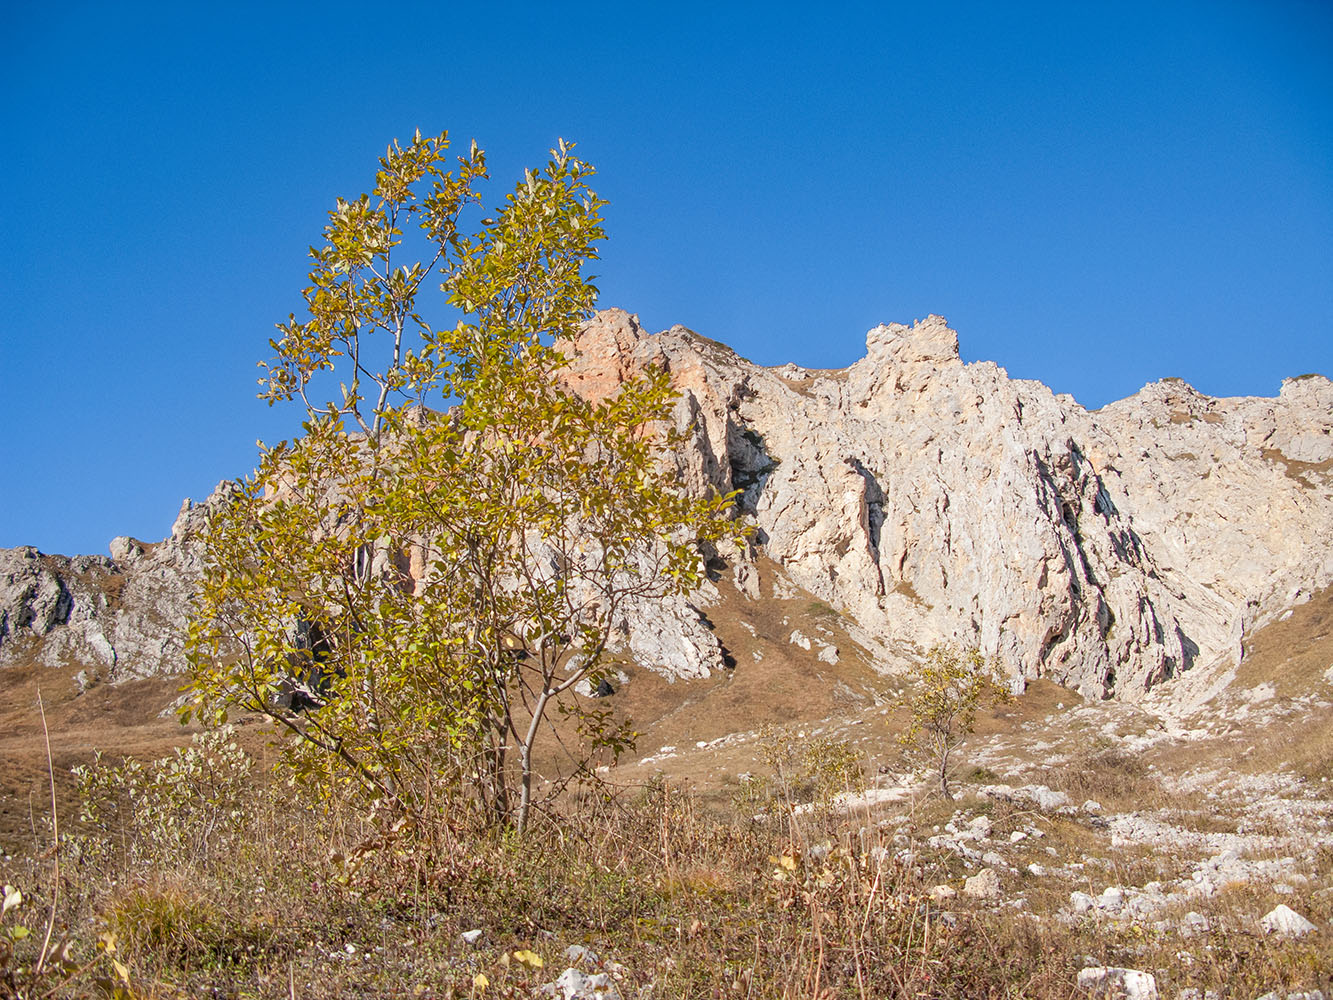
{"x":926,"y":500}
{"x":613,"y":336}
{"x":117,"y":618}
{"x":936,"y":501}
{"x":929,"y":340}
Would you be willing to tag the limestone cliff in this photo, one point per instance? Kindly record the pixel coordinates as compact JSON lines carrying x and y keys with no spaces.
{"x":926,"y":499}
{"x":115,"y":618}
{"x":937,"y":501}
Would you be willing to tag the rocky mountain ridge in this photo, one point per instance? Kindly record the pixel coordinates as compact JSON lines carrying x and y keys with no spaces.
{"x":925,"y":499}
{"x":934,"y":501}
{"x":116,"y":618}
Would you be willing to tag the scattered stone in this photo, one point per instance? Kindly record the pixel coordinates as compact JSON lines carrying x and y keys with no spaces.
{"x":985,"y":884}
{"x":1017,"y":836}
{"x":1285,"y":921}
{"x":1118,"y":984}
{"x":980,"y":827}
{"x":472,"y":936}
{"x":576,"y":985}
{"x":1036,"y":870}
{"x":799,"y":638}
{"x":992,"y":859}
{"x":942,"y":892}
{"x":1081,"y":902}
{"x":1194,"y":923}
{"x":1044,"y":798}
{"x":1092,"y":806}
{"x":829,"y":655}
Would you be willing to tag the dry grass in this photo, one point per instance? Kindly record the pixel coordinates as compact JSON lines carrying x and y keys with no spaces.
{"x":1102,"y":771}
{"x":693,"y":904}
{"x":674,"y":879}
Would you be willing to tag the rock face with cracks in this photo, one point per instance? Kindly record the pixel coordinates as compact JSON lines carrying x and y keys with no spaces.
{"x":928,"y":500}
{"x":117,"y":618}
{"x":937,"y":501}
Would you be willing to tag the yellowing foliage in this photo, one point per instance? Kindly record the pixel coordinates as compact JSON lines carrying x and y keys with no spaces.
{"x":451,"y":496}
{"x":954,"y":684}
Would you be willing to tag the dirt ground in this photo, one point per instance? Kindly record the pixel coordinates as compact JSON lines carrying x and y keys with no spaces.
{"x":121,"y":719}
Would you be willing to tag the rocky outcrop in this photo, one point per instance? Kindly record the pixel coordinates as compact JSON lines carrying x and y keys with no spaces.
{"x":933,"y":500}
{"x":925,"y":499}
{"x":116,"y":618}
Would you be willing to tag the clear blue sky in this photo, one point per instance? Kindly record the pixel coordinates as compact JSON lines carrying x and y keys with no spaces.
{"x":1095,"y":194}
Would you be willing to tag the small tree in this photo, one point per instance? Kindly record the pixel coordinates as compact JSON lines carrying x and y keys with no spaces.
{"x":441,"y":577}
{"x":954,"y":684}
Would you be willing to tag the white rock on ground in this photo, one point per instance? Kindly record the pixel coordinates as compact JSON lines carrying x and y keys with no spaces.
{"x":985,"y":884}
{"x":981,"y":827}
{"x":581,"y":955}
{"x":1044,"y":798}
{"x":1081,"y":902}
{"x":576,"y":985}
{"x":1194,"y":923}
{"x":1118,"y":984}
{"x":1283,"y":920}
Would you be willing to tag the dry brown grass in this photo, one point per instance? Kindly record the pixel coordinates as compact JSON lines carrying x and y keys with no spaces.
{"x":1103,"y":771}
{"x":669,"y":878}
{"x":694,"y":904}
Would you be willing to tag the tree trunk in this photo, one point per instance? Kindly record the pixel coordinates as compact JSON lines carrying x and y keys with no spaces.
{"x":525,"y":755}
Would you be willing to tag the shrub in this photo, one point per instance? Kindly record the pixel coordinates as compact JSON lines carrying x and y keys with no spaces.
{"x":954,"y":684}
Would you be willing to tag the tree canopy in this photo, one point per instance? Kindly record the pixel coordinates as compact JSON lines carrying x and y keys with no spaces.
{"x":445,"y":551}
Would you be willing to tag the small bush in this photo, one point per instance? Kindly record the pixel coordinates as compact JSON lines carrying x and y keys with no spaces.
{"x":954,"y":685}
{"x":184,"y":806}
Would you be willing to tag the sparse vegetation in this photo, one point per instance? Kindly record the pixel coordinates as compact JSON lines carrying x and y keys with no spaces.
{"x":953,"y":685}
{"x":804,"y":771}
{"x":316,"y":902}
